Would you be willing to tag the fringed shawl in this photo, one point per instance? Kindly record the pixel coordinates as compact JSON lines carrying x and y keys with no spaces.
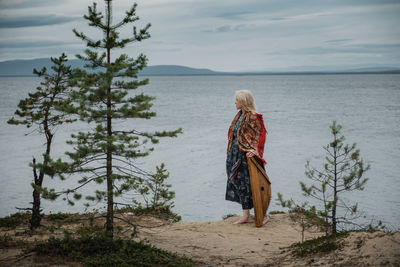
{"x":251,"y":134}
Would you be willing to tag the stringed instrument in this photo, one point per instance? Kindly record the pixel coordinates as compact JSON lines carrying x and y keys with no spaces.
{"x":260,"y":190}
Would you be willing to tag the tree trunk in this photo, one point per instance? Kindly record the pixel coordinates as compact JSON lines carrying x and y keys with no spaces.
{"x":334,"y":187}
{"x":36,"y":217}
{"x":110,"y":194}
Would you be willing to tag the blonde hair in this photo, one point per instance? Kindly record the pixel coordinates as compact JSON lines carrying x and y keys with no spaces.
{"x":246,"y":99}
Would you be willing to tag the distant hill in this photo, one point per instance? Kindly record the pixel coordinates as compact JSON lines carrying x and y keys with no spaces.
{"x":375,"y":69}
{"x":351,"y":68}
{"x":175,"y":70}
{"x":25,"y":67}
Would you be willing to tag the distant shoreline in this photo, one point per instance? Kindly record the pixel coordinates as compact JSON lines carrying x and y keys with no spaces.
{"x":23,"y":68}
{"x":253,"y":74}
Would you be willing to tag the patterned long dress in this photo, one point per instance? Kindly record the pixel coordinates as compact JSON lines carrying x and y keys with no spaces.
{"x":238,"y":186}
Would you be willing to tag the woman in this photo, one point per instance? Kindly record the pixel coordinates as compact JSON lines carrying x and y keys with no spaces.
{"x":246,"y":138}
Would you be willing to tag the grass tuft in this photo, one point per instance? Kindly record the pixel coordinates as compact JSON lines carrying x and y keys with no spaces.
{"x":319,"y":244}
{"x":277,"y":212}
{"x":228,"y":216}
{"x":54,"y":217}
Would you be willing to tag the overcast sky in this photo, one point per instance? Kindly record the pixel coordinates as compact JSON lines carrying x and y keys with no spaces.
{"x":224,"y":35}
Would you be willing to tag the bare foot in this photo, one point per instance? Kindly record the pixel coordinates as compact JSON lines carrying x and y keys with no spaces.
{"x":243,"y":220}
{"x":266,"y":219}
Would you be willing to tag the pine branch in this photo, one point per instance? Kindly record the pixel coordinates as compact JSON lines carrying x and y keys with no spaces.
{"x":328,"y":151}
{"x":95,"y":18}
{"x":125,"y":171}
{"x":76,"y":188}
{"x":129,"y":18}
{"x":89,"y":42}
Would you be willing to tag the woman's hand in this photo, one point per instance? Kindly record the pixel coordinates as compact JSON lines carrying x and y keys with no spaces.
{"x":249,"y":154}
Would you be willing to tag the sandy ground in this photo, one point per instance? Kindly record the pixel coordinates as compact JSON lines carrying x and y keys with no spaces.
{"x":222,"y":243}
{"x":225,"y":244}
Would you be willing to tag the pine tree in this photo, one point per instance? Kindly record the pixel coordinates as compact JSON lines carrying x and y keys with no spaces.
{"x":106,"y":153}
{"x":40,"y":110}
{"x":155,"y":191}
{"x":343,"y":172}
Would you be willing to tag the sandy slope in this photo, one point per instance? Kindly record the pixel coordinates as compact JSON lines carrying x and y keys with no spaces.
{"x":224,"y":244}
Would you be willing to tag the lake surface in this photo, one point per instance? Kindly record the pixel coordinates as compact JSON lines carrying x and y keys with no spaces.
{"x":297,"y":109}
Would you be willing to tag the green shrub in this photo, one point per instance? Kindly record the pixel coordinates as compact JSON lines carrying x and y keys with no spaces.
{"x":164,"y":213}
{"x":15,"y":219}
{"x":98,"y":249}
{"x":6,"y":241}
{"x":58,"y":216}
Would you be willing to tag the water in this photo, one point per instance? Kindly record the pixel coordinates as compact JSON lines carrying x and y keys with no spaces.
{"x":297,"y":111}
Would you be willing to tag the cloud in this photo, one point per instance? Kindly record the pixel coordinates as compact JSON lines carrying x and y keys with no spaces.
{"x":6,"y":4}
{"x":225,"y":28}
{"x":233,"y":15}
{"x":228,"y":28}
{"x":336,"y":41}
{"x":367,"y":48}
{"x":32,"y":44}
{"x":33,"y":21}
{"x":278,"y":18}
{"x":258,"y":34}
{"x":378,"y":46}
